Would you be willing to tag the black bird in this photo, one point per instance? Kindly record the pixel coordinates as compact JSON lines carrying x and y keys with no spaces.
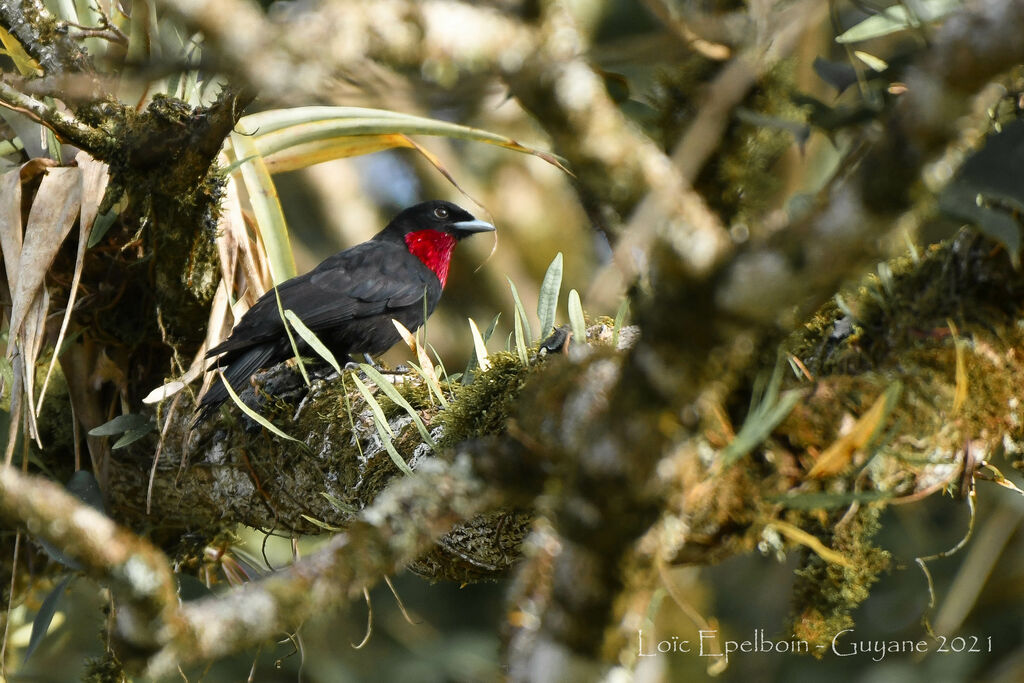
{"x":350,"y":299}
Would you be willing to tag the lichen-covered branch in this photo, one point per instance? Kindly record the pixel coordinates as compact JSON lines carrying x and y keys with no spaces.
{"x":66,"y":126}
{"x":404,"y":520}
{"x":41,"y":34}
{"x":139,"y":573}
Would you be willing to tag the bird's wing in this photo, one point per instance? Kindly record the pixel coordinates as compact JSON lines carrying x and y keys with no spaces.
{"x":369,"y":279}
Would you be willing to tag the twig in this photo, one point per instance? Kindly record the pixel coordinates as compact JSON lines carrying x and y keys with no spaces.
{"x":67,"y":127}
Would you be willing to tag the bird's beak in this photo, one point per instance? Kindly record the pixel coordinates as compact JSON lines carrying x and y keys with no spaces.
{"x":472,"y":226}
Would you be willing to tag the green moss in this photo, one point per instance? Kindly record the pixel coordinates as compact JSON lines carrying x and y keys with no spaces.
{"x":103,"y":669}
{"x":825,"y":593}
{"x":484,"y":406}
{"x":738,"y":182}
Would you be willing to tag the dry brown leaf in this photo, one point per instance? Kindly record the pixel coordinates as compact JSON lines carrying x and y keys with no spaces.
{"x":837,"y":457}
{"x":94,"y":184}
{"x":53,"y":212}
{"x":10,"y":224}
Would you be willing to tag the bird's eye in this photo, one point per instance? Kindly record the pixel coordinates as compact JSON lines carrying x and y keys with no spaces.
{"x":441,"y":212}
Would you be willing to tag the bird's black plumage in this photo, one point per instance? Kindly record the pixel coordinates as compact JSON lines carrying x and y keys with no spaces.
{"x":350,"y":299}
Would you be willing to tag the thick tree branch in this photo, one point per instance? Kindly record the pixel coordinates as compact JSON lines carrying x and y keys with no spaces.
{"x":405,"y":519}
{"x":137,"y":572}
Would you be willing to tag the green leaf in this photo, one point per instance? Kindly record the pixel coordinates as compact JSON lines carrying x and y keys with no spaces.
{"x":131,"y":437}
{"x":254,"y":416}
{"x":266,"y":209}
{"x":47,"y":610}
{"x":467,"y":374}
{"x":620,"y":319}
{"x":896,"y":18}
{"x":120,"y":425}
{"x":768,"y":409}
{"x":520,"y":339}
{"x":479,"y":347}
{"x":291,"y":338}
{"x":294,"y":138}
{"x":576,"y":319}
{"x":310,"y":338}
{"x":521,"y":310}
{"x":339,"y":505}
{"x":323,"y":525}
{"x":383,"y":428}
{"x":101,"y":226}
{"x":547,"y":301}
{"x":389,"y":390}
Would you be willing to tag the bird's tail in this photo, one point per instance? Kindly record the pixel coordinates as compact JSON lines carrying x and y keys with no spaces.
{"x":241,"y":367}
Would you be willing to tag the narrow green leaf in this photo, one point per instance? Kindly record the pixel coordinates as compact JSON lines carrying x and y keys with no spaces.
{"x":383,"y":428}
{"x":253,"y":415}
{"x":310,"y":338}
{"x":444,"y":372}
{"x":520,"y":310}
{"x":547,"y":301}
{"x":576,"y":319}
{"x":291,"y":338}
{"x":389,"y":390}
{"x":491,"y":328}
{"x":266,"y":209}
{"x":767,"y":410}
{"x":371,"y":403}
{"x":301,"y":134}
{"x":323,"y":525}
{"x":478,"y":345}
{"x":620,"y":319}
{"x":101,"y":226}
{"x":351,"y":420}
{"x":338,"y":504}
{"x":520,"y":340}
{"x":44,"y":617}
{"x":132,"y":436}
{"x":120,"y":425}
{"x":897,"y":18}
{"x":434,"y":387}
{"x":467,"y":374}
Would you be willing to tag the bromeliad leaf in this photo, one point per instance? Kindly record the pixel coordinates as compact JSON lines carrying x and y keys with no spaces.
{"x":295,"y":138}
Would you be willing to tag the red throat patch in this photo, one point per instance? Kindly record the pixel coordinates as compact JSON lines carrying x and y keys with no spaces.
{"x":434,"y":248}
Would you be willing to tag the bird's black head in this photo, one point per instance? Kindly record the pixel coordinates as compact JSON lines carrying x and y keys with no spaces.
{"x":436,"y":215}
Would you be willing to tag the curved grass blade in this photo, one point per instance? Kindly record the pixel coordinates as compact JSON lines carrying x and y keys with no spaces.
{"x":310,"y":338}
{"x":254,"y":416}
{"x":383,"y":428}
{"x":389,"y":390}
{"x":521,"y":310}
{"x":266,"y":209}
{"x":276,"y":131}
{"x":478,"y":345}
{"x":291,"y":338}
{"x":520,"y":339}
